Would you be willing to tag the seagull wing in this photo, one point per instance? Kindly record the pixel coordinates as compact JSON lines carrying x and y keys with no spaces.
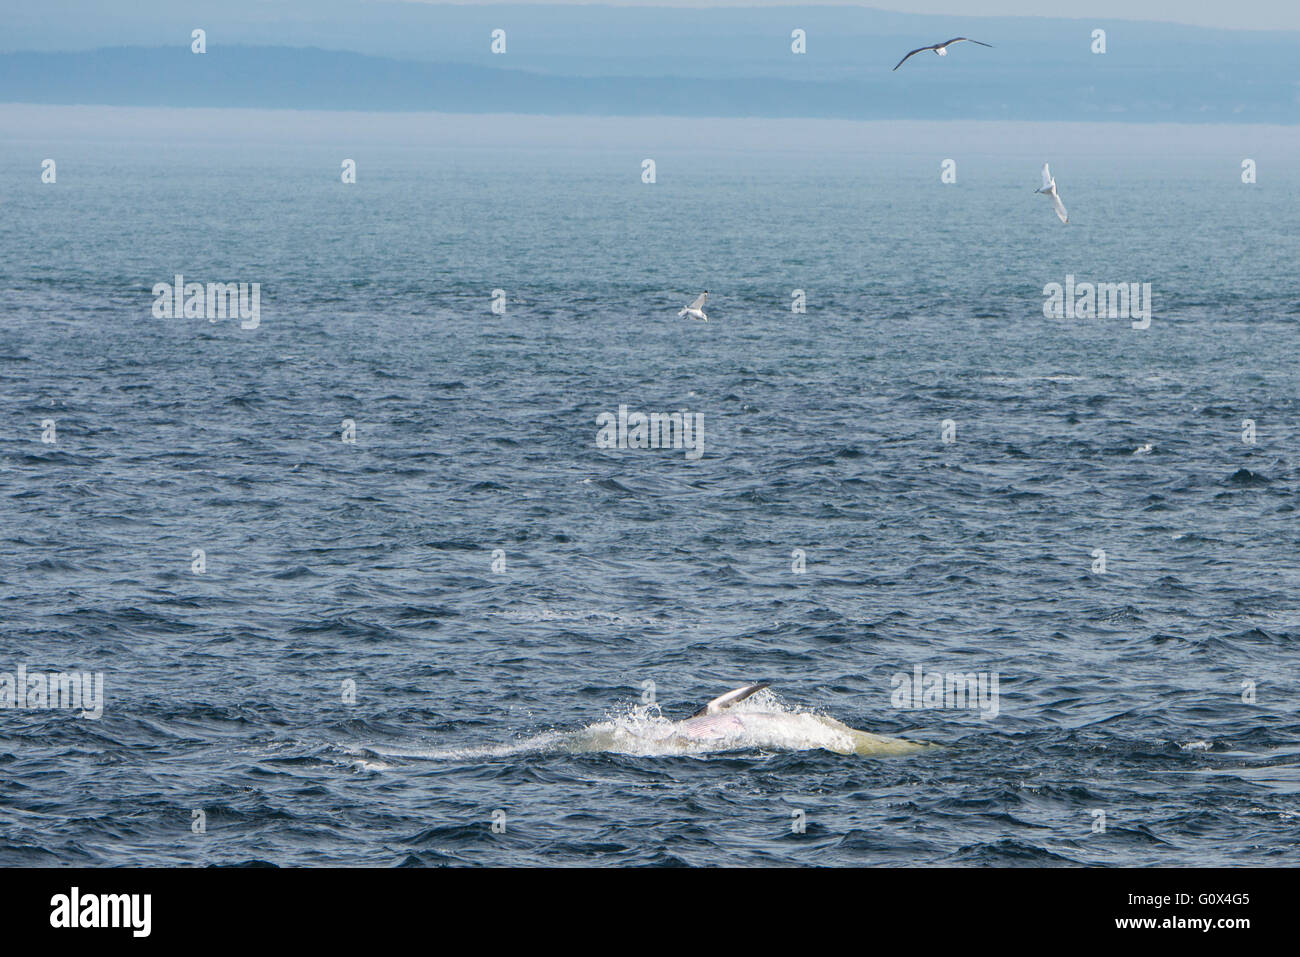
{"x":1060,"y":208}
{"x":1047,"y":178}
{"x":968,"y":40}
{"x":699,"y":302}
{"x":912,"y":54}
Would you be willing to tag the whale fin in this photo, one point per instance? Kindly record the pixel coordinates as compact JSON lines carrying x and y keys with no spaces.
{"x":731,"y":697}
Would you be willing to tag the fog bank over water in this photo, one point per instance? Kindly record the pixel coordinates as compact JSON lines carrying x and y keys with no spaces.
{"x":25,"y":124}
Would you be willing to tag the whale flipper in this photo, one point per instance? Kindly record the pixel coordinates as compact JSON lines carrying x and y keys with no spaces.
{"x":731,"y":697}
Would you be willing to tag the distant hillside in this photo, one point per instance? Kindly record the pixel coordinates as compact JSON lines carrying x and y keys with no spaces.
{"x":636,"y":61}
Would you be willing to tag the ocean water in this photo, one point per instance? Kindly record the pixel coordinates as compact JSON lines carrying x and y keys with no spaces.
{"x":1145,"y":715}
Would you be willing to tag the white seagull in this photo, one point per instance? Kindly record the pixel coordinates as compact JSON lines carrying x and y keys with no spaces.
{"x":940,"y":48}
{"x":696,"y":309}
{"x":1049,"y":189}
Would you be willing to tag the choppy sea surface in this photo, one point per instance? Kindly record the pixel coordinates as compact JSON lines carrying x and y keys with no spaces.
{"x":522,"y":615}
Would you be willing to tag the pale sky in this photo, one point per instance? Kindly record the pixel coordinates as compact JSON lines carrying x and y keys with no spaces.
{"x":1227,"y":14}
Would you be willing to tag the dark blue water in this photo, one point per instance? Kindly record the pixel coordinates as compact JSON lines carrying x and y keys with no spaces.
{"x":371,"y":562}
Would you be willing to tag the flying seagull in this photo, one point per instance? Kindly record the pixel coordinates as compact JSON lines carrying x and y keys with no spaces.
{"x":696,"y":309}
{"x":940,"y":48}
{"x":1049,"y":189}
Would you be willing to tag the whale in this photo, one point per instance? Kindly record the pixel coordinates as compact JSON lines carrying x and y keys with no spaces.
{"x":747,"y":718}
